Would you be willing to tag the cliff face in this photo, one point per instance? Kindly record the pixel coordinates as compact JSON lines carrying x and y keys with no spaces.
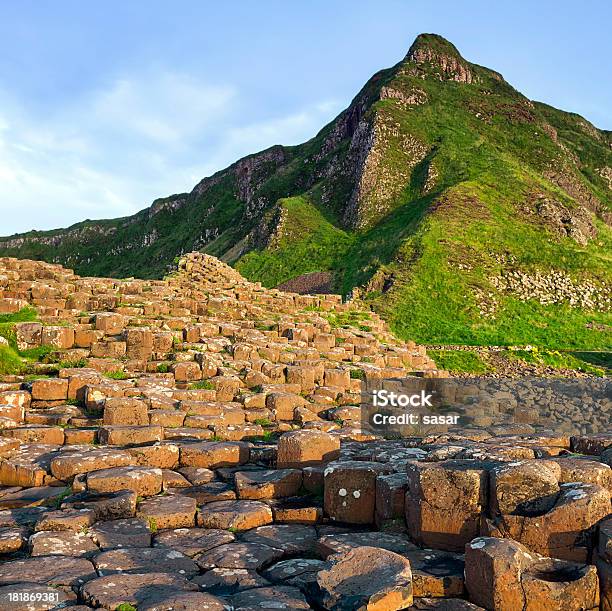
{"x":438,"y":177}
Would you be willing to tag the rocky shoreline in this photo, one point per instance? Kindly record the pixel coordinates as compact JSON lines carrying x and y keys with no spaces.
{"x":196,"y":443}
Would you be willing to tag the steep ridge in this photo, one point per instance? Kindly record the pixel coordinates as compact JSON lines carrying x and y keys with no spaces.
{"x":452,"y":204}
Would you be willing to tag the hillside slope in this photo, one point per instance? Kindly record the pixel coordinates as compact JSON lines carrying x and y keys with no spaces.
{"x":463,"y":211}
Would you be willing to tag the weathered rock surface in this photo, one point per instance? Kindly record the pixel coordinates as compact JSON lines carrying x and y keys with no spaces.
{"x":503,"y":574}
{"x":366,"y":578}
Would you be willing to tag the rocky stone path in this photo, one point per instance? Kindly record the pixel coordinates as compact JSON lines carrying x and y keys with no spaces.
{"x":196,"y":444}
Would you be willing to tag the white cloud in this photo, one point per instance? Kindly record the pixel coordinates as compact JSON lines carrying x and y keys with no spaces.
{"x":167,"y":109}
{"x":110,"y":152}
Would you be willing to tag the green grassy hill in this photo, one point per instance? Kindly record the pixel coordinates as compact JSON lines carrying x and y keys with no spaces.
{"x":444,"y":198}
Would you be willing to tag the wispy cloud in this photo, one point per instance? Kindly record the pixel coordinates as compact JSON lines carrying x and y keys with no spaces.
{"x":166,"y":109}
{"x":112,"y":150}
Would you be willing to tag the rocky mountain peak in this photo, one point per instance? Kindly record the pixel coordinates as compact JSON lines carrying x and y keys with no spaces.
{"x":433,"y":43}
{"x":432,"y":52}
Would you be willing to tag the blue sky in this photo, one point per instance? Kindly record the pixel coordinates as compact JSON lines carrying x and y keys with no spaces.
{"x":105,"y":106}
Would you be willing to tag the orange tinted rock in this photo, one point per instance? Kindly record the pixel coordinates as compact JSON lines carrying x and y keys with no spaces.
{"x":338,"y":377}
{"x":503,"y":575}
{"x":586,"y":471}
{"x":529,"y":485}
{"x":65,"y":519}
{"x":238,"y":515}
{"x":108,"y":349}
{"x":283,"y":404}
{"x":28,"y":335}
{"x":84,"y":338}
{"x":187,"y":372}
{"x":214,"y":454}
{"x":226,"y":387}
{"x":80,"y":436}
{"x":302,"y":375}
{"x":307,"y":448}
{"x":493,"y":569}
{"x":161,"y":455}
{"x":78,"y":380}
{"x":68,"y":464}
{"x":124,"y":410}
{"x":142,"y":480}
{"x":556,"y":585}
{"x":110,"y":322}
{"x":27,"y":466}
{"x":61,"y":338}
{"x":350,"y":578}
{"x":50,"y":389}
{"x":12,"y":539}
{"x":168,"y":511}
{"x":17,"y":400}
{"x":445,"y":502}
{"x":7,"y":446}
{"x":129,"y":435}
{"x":167,"y":417}
{"x":37,"y":434}
{"x":139,"y":343}
{"x":565,"y":531}
{"x":271,"y":484}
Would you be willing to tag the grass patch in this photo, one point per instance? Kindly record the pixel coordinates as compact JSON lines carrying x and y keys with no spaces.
{"x":266,"y":436}
{"x":265,"y":327}
{"x":351,"y":318}
{"x":602,"y":360}
{"x":561,"y":360}
{"x":10,"y":362}
{"x":73,"y":363}
{"x":116,"y":374}
{"x":27,"y":314}
{"x":57,"y":501}
{"x":201,"y":385}
{"x":307,"y":241}
{"x":40,"y":353}
{"x":30,"y":377}
{"x":263,"y":422}
{"x":459,"y":361}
